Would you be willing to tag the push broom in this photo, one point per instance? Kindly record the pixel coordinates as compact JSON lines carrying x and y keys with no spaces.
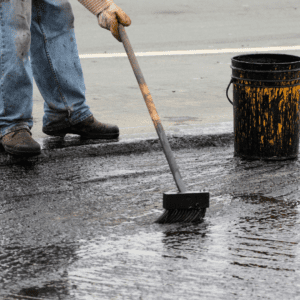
{"x":184,"y":206}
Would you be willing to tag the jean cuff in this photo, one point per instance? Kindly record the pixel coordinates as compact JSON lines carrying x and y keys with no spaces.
{"x":79,"y":118}
{"x":7,"y":130}
{"x":65,"y":122}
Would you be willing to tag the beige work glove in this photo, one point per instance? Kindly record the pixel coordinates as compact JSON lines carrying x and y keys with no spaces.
{"x":110,"y":18}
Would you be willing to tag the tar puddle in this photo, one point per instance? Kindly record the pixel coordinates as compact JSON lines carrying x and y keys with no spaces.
{"x":83,"y":228}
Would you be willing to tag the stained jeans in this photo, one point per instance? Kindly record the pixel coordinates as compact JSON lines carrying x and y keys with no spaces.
{"x":37,"y":40}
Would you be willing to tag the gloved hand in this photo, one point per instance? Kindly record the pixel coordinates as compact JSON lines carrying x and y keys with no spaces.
{"x":110,"y":18}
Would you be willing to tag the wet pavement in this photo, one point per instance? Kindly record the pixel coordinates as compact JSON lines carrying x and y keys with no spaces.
{"x":78,"y":223}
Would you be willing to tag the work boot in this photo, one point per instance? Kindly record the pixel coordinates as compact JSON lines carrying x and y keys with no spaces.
{"x":20,"y":142}
{"x":89,"y":128}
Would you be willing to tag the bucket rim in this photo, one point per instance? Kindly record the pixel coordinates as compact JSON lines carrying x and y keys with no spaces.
{"x":296,"y":58}
{"x":273,"y":62}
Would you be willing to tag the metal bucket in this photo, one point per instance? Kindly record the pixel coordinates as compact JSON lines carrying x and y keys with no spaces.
{"x":266,"y":105}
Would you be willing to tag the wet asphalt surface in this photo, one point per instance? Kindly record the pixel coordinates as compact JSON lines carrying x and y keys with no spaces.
{"x":77,"y":223}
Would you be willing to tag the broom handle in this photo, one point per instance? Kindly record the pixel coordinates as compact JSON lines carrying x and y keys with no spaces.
{"x":152,"y":110}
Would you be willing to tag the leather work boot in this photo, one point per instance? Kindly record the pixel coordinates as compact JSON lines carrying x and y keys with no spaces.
{"x":20,"y":142}
{"x":89,"y":128}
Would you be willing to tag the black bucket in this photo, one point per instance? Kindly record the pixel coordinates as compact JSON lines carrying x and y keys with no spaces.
{"x":266,"y":105}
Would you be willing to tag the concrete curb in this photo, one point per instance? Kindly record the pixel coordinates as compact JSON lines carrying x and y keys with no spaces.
{"x":73,"y":146}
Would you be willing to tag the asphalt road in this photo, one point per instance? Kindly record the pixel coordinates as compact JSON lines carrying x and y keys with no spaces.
{"x":188,"y":90}
{"x":76,"y":227}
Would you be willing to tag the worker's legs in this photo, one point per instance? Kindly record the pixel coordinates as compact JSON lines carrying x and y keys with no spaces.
{"x":56,"y":65}
{"x":57,"y":71}
{"x":54,"y":60}
{"x":15,"y":70}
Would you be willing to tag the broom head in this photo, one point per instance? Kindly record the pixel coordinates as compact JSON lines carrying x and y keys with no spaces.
{"x":188,"y":207}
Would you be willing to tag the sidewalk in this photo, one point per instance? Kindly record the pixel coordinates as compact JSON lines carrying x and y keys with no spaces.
{"x":188,"y":112}
{"x":186,"y":97}
{"x":195,"y":108}
{"x":215,"y":135}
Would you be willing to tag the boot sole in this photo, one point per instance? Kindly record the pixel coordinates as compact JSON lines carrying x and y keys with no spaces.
{"x":108,"y":136}
{"x":16,"y":152}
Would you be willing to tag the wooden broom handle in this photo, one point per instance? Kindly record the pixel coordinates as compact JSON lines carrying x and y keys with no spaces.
{"x":152,"y":110}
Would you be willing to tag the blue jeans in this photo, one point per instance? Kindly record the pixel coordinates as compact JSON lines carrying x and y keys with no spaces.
{"x":37,"y":40}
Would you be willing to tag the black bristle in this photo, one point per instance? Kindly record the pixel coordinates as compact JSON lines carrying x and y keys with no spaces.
{"x":162,"y":217}
{"x":177,"y":216}
{"x":190,"y":217}
{"x":181,"y":215}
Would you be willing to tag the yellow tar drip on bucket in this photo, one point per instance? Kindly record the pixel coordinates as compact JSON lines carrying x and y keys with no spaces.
{"x":266,"y":105}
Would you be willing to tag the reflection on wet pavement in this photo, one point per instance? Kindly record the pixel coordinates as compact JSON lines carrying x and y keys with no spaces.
{"x":82,"y":228}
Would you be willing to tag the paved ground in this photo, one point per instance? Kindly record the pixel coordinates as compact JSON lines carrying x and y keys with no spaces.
{"x":82,"y":226}
{"x":77,"y":221}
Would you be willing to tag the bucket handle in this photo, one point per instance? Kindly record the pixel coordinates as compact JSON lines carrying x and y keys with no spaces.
{"x":228,"y":90}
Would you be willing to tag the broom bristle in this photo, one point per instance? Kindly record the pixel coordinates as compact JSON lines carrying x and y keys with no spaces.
{"x":181,"y":215}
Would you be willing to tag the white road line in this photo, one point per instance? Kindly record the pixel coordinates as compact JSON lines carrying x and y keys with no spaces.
{"x":193,"y":52}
